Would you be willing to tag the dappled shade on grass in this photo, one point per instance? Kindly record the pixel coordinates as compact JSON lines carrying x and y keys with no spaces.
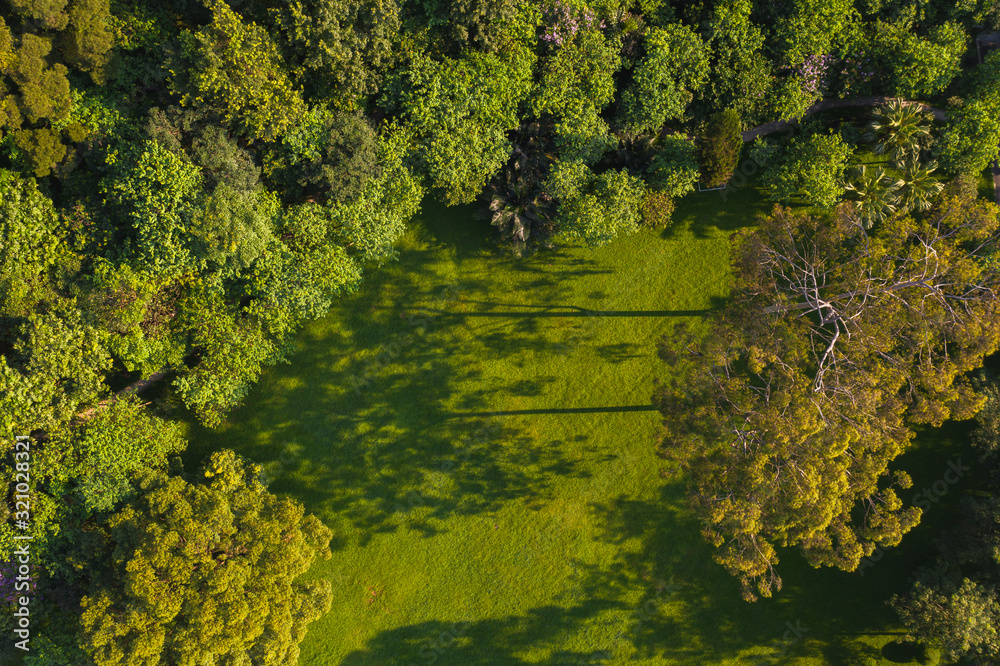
{"x":491,"y":481}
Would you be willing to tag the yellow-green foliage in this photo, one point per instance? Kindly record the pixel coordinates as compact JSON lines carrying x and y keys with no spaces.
{"x":205,"y":573}
{"x":237,"y":68}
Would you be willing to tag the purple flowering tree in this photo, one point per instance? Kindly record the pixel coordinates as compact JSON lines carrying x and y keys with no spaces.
{"x":562,"y":22}
{"x":814,"y":73}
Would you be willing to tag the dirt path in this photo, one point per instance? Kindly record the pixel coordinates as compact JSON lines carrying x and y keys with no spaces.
{"x":134,"y":387}
{"x":826,"y":105}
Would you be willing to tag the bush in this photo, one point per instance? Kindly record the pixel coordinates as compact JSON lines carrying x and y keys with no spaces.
{"x":719,"y":147}
{"x":674,"y":167}
{"x":595,"y":208}
{"x":811,"y":170}
{"x":657,"y":208}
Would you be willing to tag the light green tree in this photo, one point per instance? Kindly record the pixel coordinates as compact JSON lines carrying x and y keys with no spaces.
{"x":235,"y":67}
{"x":813,"y":27}
{"x":156,"y":192}
{"x":785,"y":417}
{"x":972,"y":139}
{"x":673,"y":168}
{"x":919,"y":186}
{"x":920,"y":65}
{"x":665,"y":81}
{"x":33,"y":243}
{"x":595,"y":208}
{"x":577,"y":83}
{"x":206,"y":570}
{"x":461,"y":139}
{"x":811,"y":171}
{"x":741,"y":73}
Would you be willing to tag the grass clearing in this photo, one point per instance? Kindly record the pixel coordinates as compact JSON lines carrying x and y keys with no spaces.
{"x":492,"y":486}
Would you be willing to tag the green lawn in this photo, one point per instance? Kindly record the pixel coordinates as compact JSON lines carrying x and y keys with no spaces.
{"x":493,"y":488}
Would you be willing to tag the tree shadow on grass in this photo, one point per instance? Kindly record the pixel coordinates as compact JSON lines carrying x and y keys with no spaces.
{"x":706,"y":214}
{"x":361,"y":426}
{"x":663,"y":601}
{"x":702,"y":618}
{"x":356,"y":427}
{"x":661,"y":598}
{"x":495,"y":642}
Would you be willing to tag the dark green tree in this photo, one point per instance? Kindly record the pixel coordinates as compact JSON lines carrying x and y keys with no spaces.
{"x":236,"y":68}
{"x":87,"y":40}
{"x":719,"y":147}
{"x":344,"y":46}
{"x":330,"y":156}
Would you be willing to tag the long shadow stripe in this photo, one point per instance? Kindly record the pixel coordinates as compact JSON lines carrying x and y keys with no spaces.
{"x":555,"y":410}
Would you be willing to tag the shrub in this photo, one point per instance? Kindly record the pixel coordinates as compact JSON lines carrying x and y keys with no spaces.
{"x":657,"y":208}
{"x":811,"y":170}
{"x":719,"y":147}
{"x":595,"y":208}
{"x":674,"y":167}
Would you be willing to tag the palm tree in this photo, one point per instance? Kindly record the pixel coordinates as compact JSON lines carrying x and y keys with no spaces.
{"x":634,"y":150}
{"x":515,"y":208}
{"x":919,"y":186}
{"x":874,"y":194}
{"x":516,"y":203}
{"x":902,"y":130}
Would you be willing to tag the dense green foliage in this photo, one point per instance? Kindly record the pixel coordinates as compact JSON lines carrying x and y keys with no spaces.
{"x":719,"y":148}
{"x":184,"y":186}
{"x":673,"y":168}
{"x":205,"y":570}
{"x":972,"y":138}
{"x":664,"y":82}
{"x":811,"y":170}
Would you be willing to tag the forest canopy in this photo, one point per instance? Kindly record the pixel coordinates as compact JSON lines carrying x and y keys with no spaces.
{"x":185,"y":185}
